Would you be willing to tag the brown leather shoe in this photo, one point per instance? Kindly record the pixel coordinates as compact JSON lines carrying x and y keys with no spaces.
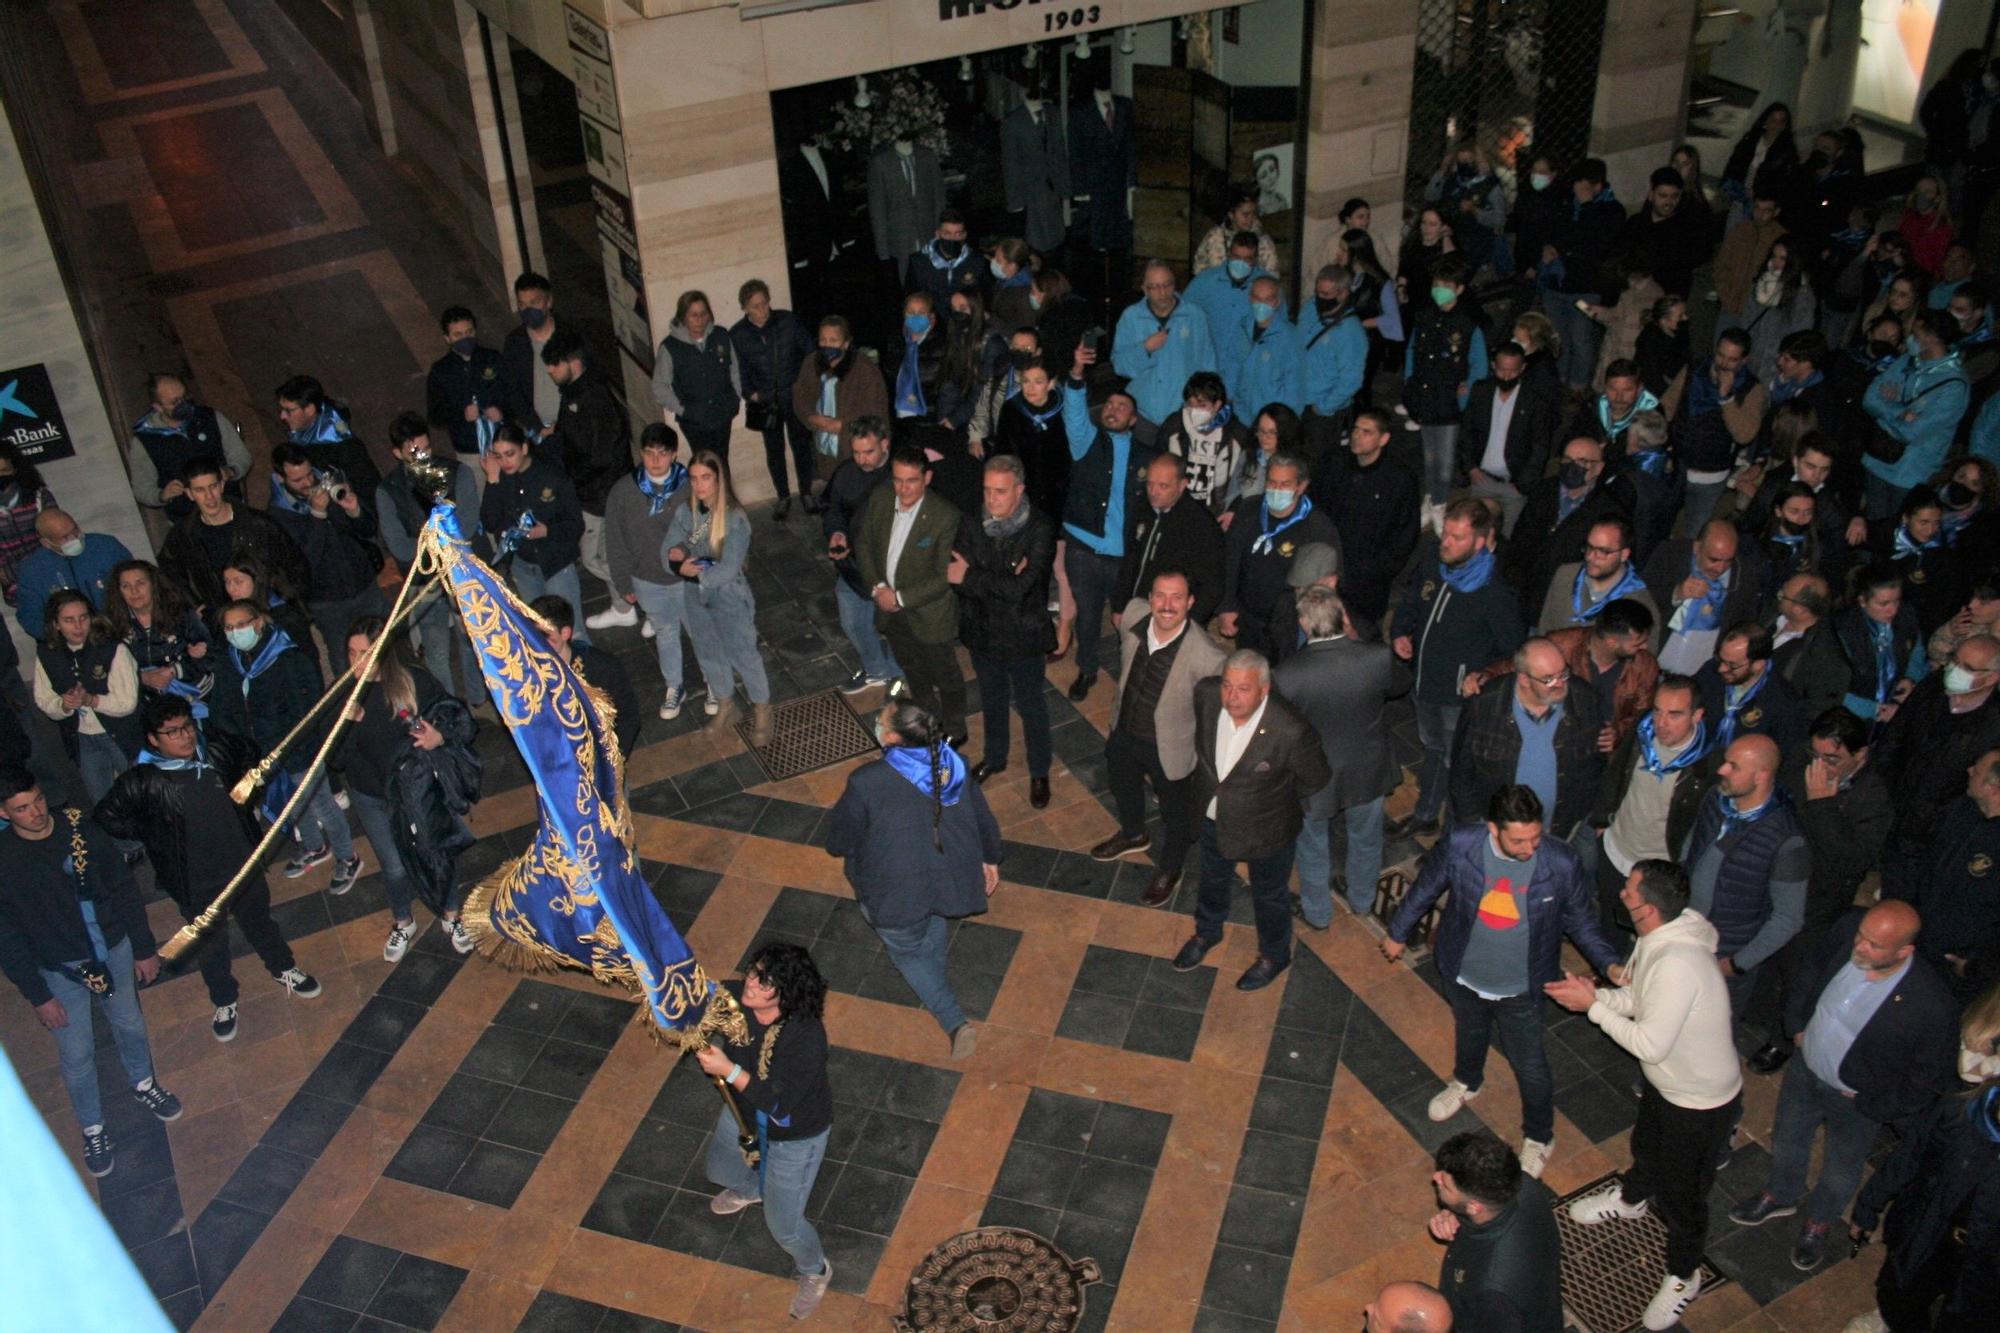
{"x":1121,"y":844}
{"x":1161,"y":888}
{"x":1038,"y":793}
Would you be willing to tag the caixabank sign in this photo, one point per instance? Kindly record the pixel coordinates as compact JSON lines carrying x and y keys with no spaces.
{"x":30,"y":417}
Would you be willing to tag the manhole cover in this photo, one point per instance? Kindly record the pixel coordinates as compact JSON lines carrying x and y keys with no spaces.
{"x":1610,"y":1270}
{"x":996,"y":1280}
{"x":809,"y":733}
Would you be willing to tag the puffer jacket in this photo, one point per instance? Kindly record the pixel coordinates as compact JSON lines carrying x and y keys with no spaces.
{"x":430,"y":792}
{"x":147,"y":805}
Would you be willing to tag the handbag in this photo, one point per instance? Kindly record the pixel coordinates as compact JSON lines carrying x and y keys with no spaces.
{"x":756,"y":415}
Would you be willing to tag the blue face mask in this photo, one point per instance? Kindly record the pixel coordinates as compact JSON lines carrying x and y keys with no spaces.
{"x":1279,"y":500}
{"x":243,"y":639}
{"x":993,"y":266}
{"x":916,"y":326}
{"x":1239,"y":269}
{"x":1034,"y":300}
{"x":1912,"y":346}
{"x":1261,"y":311}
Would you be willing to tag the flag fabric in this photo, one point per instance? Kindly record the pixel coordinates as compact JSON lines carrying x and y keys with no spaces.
{"x":576,"y":898}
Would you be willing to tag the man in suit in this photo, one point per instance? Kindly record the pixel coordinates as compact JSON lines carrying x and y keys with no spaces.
{"x":1257,"y":760}
{"x":1034,"y":167}
{"x":1174,"y":531}
{"x":1702,"y":584}
{"x":528,"y":397}
{"x":1878,"y":1033}
{"x":816,"y":218}
{"x":905,"y":556}
{"x":1503,"y":442}
{"x":1744,"y":694}
{"x":905,"y":196}
{"x":1152,"y":730}
{"x":1103,"y":169}
{"x":1342,"y":685}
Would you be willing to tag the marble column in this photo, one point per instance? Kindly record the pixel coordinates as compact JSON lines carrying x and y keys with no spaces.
{"x":1363,"y":62}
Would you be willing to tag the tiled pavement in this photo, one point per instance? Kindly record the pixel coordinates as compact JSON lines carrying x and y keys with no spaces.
{"x":441,"y":1144}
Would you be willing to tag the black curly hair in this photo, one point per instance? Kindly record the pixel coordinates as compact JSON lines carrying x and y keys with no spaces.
{"x":789,"y":970}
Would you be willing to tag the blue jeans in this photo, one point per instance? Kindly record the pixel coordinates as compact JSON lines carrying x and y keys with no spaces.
{"x":76,"y":1042}
{"x":1021,"y":682}
{"x":100,"y":761}
{"x":790,"y":1167}
{"x":321,"y":822}
{"x":1577,"y":363}
{"x":530,"y":582}
{"x":1804,"y":1104}
{"x":1440,"y":459}
{"x":1314,"y":854}
{"x":1436,"y":724}
{"x":722,"y":625}
{"x":373,"y":814}
{"x":662,"y":608}
{"x":1268,"y":896}
{"x":442,"y":638}
{"x":918,"y":951}
{"x":1519,"y":1019}
{"x":1090,"y":578}
{"x":857,"y":621}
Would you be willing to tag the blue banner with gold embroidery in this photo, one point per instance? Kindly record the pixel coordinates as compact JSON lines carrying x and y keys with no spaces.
{"x":577,"y":897}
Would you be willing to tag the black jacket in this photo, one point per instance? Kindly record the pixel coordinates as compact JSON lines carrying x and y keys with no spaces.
{"x":1377,"y":511}
{"x":1668,"y":569}
{"x":1487,"y":746}
{"x":1587,"y":238}
{"x":1836,"y":658}
{"x":1671,"y":249}
{"x":273,"y":702}
{"x":1682,"y":807}
{"x":41,"y":923}
{"x":1924,"y":752}
{"x":1906,"y":1055}
{"x":768,"y":359}
{"x":340,"y":551}
{"x":1259,"y":806}
{"x":430,"y":793}
{"x":1252,"y":581}
{"x":184,"y":557}
{"x":1543,"y":540}
{"x":1530,"y":431}
{"x":846,"y":495}
{"x":595,"y":437}
{"x":453,"y":382}
{"x":1958,"y":898}
{"x":1505,"y":1276}
{"x":1944,"y":1177}
{"x":1774,"y":712}
{"x":1845,"y":834}
{"x":883,"y":825}
{"x":1343,"y":686}
{"x":1044,"y":453}
{"x":520,"y":363}
{"x":1452,"y":633}
{"x":1003,"y":604}
{"x":1186,"y":538}
{"x":543,"y":490}
{"x":148,"y":806}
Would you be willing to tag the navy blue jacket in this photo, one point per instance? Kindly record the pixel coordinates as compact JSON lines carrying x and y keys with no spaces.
{"x":455,"y":381}
{"x":1560,"y":902}
{"x":882,"y":826}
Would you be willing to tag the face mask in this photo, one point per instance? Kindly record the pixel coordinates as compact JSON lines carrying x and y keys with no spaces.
{"x":880,"y":733}
{"x":1791,"y":529}
{"x":1505,"y":382}
{"x":1574,"y":475}
{"x":182,"y":410}
{"x":1034,"y":300}
{"x":829,"y":357}
{"x":1239,"y":269}
{"x":464,"y":346}
{"x":1261,"y":311}
{"x":71,"y":549}
{"x":1957,"y":495}
{"x":1020,"y":360}
{"x":1925,"y":204}
{"x":1879,"y":348}
{"x":1199,"y":417}
{"x":533,"y":317}
{"x":1541,"y":180}
{"x":960,"y":318}
{"x":950,"y":249}
{"x":1280,"y":501}
{"x":1467,"y":171}
{"x":1444,"y":296}
{"x":1326,"y":305}
{"x":1912,"y":346}
{"x":244,"y":639}
{"x":993,"y":267}
{"x":916,"y":326}
{"x":1957,"y":680}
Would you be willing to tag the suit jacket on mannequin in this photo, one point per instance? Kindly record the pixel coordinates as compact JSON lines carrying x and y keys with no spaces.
{"x":903,"y":205}
{"x":1104,"y":164}
{"x":816,"y":217}
{"x":1034,"y":163}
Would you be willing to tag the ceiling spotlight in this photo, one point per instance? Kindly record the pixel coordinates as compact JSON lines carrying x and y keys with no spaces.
{"x":1128,"y":39}
{"x":965,"y":69}
{"x":1082,"y":47}
{"x":862,"y":101}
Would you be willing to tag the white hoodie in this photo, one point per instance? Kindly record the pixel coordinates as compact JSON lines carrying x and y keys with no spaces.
{"x":1675,"y":1015}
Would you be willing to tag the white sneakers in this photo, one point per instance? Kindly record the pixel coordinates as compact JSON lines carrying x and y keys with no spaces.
{"x":400,"y":935}
{"x":1675,"y":1295}
{"x":1872,"y":1322}
{"x":461,"y":938}
{"x":1604,"y":1206}
{"x":619,"y":615}
{"x":670,"y":704}
{"x":1455,"y":1094}
{"x":1535,"y":1156}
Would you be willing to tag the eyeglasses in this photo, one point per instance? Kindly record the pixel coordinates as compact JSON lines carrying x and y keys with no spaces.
{"x":1605,"y":550}
{"x":1550,"y":682}
{"x":178,"y":729}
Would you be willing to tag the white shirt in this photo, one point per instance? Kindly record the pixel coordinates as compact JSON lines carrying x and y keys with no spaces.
{"x":1494,"y":461}
{"x":1230,"y":743}
{"x":899,"y":535}
{"x":1154,"y":643}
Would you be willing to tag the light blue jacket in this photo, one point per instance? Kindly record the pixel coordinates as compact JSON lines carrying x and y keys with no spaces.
{"x":1221,"y":300}
{"x":1264,"y":371}
{"x":1334,"y":360}
{"x":1157,"y":378}
{"x":43,"y":571}
{"x":1936,"y":394}
{"x":1986,"y":432}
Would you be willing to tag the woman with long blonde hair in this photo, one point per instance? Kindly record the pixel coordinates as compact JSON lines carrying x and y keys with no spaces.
{"x":708,"y":545}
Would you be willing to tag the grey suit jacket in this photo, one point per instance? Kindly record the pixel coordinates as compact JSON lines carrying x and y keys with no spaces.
{"x":903,"y":219}
{"x":1034,"y":165}
{"x":1173,"y":717}
{"x":1342,"y":686}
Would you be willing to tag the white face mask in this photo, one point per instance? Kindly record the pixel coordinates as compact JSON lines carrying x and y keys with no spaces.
{"x":1199,"y":417}
{"x":1957,"y":680}
{"x":1976,"y":1068}
{"x":72,"y":548}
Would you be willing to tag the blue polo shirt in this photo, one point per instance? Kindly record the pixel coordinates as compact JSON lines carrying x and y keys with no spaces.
{"x":1536,"y":768}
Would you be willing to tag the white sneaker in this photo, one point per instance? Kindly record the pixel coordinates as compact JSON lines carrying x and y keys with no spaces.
{"x":1872,"y":1322}
{"x":1535,"y":1156}
{"x":711,"y":705}
{"x":670,"y":704}
{"x":1402,"y":411}
{"x":461,"y":938}
{"x":1603,"y":1206}
{"x":1455,"y":1094}
{"x":618,"y":615}
{"x":646,"y":630}
{"x":400,"y":935}
{"x":1675,"y":1295}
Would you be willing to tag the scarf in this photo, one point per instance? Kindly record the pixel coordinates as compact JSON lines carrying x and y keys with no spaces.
{"x":1768,"y":288}
{"x":327,"y":428}
{"x":1629,"y":581}
{"x":658,"y":493}
{"x":1021,"y":278}
{"x":828,"y":441}
{"x":910,"y":400}
{"x":947,"y":265}
{"x":1703,"y":395}
{"x":276,"y":642}
{"x":282,"y":497}
{"x":1957,"y":521}
{"x":1883,"y":639}
{"x":1645,"y":402}
{"x":1784,"y":390}
{"x":1652,"y":462}
{"x":1907,"y":545}
{"x":1726,"y":732}
{"x":197,"y":765}
{"x":1471,"y":576}
{"x":1703,"y":612}
{"x":1266,"y":534}
{"x":1649,"y":749}
{"x":1604,"y":196}
{"x":1734,"y":819}
{"x":1980,"y":1112}
{"x":914,"y":763}
{"x":1045,"y":416}
{"x":999,"y":529}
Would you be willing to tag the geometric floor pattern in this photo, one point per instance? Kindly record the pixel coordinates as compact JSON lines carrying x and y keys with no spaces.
{"x":1611,"y":1270}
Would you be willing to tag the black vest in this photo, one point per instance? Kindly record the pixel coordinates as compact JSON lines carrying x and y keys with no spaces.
{"x":1088,"y":498}
{"x":199,"y":437}
{"x":1742,"y":901}
{"x":701,"y":379}
{"x":1439,"y":363}
{"x":90,"y":667}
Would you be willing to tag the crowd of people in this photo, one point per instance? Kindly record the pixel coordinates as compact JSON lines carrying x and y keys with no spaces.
{"x":1700,"y":644}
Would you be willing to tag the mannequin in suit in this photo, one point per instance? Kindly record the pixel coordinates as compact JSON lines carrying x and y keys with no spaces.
{"x":817,"y":225}
{"x":905,"y":196}
{"x":1034,"y":164}
{"x":1104,"y":168}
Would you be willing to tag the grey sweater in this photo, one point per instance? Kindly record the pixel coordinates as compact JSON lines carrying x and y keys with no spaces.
{"x":634,"y":538}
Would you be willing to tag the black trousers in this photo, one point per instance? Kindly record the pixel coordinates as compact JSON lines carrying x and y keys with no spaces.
{"x":1131,"y":763}
{"x":1609,"y":885}
{"x":777,"y":427}
{"x":1674,"y":1153}
{"x":251,"y":910}
{"x":931,"y":670}
{"x":1905,"y":1302}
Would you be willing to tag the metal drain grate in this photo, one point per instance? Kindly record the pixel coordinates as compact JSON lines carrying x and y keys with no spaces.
{"x":807,"y":734}
{"x":1611,"y":1270}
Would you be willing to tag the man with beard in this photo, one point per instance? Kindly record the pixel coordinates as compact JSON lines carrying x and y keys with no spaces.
{"x":835,"y":389}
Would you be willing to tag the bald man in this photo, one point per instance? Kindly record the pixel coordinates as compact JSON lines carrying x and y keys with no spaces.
{"x":1408,"y":1307}
{"x":64,"y":557}
{"x":1877,"y":1038}
{"x":1702,"y":586}
{"x":1748,"y":864}
{"x":1536,"y":727}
